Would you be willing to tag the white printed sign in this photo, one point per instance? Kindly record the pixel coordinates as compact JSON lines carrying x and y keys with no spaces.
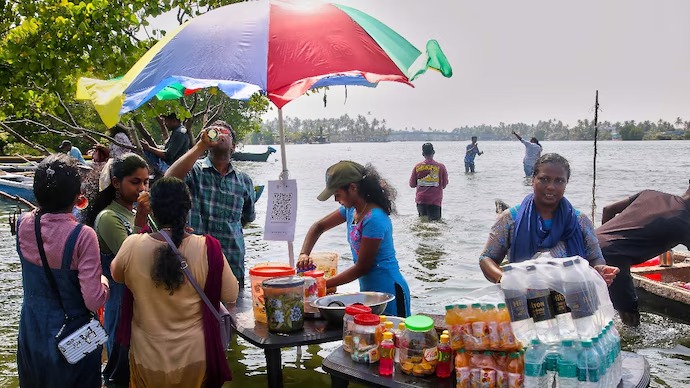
{"x":281,"y":213}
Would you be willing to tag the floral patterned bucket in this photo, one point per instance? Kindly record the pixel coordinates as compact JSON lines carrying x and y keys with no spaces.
{"x":284,"y":303}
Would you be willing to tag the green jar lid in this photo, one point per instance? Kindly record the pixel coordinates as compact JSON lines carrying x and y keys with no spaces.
{"x":419,"y":323}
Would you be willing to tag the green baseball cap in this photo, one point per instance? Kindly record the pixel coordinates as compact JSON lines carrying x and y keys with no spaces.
{"x":341,"y":174}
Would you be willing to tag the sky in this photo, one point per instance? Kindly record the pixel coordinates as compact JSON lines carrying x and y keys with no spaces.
{"x":525,"y":61}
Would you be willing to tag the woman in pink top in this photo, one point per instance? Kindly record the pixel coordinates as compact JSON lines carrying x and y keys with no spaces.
{"x":71,"y":251}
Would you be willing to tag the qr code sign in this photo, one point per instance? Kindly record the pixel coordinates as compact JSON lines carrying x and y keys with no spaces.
{"x":281,"y":207}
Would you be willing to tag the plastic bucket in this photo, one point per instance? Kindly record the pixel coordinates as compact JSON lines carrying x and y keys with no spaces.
{"x":257,"y":275}
{"x":326,"y":262}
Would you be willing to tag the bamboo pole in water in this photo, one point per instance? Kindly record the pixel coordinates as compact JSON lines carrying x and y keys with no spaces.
{"x":594,"y":161}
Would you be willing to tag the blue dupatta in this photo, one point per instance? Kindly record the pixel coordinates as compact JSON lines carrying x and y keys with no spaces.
{"x":530,"y":237}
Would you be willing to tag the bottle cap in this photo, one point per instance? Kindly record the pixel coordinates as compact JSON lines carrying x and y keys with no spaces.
{"x":567,"y":342}
{"x":446,"y":332}
{"x":450,"y":307}
{"x":595,"y":340}
{"x":382,"y":319}
{"x":490,"y":306}
{"x":461,"y":350}
{"x":488,"y":352}
{"x":535,"y":341}
{"x":387,"y":336}
{"x":444,"y":338}
{"x":501,"y":305}
{"x":462,"y":306}
{"x":507,"y":268}
{"x":586,"y":344}
{"x":401,"y":326}
{"x":367,"y":319}
{"x":388,"y":325}
{"x":514,"y":355}
{"x":476,"y":305}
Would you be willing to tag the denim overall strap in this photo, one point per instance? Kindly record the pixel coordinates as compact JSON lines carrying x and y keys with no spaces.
{"x":69,"y":247}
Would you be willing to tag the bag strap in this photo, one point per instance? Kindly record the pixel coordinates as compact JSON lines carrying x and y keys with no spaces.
{"x":44,"y":260}
{"x":185,"y":269}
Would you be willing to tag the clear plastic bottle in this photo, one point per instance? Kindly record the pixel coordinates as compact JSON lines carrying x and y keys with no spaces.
{"x":445,"y":356}
{"x":605,"y":377}
{"x":387,"y":353}
{"x":615,"y":340}
{"x":535,"y":375}
{"x":581,"y":300}
{"x":551,"y":358}
{"x":566,"y":327}
{"x":588,"y":366}
{"x":540,"y":307}
{"x":396,"y":340}
{"x":515,"y":290}
{"x":567,"y":366}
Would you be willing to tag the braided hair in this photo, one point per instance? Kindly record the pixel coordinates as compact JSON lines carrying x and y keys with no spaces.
{"x":170,"y":204}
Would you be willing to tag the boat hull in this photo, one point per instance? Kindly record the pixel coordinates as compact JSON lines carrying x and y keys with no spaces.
{"x":658,"y":287}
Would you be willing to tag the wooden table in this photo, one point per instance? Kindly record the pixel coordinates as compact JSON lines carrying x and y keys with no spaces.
{"x":343,"y":370}
{"x":256,"y":333}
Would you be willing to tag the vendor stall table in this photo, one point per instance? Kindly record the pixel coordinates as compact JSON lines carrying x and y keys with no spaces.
{"x":256,"y":333}
{"x":343,"y":370}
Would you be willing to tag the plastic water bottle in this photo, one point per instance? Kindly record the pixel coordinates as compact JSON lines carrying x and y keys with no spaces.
{"x":535,"y":376}
{"x":566,"y":327}
{"x":567,"y":366}
{"x":515,"y":290}
{"x":611,"y":337}
{"x":588,"y":366}
{"x":551,"y":359}
{"x":579,"y":297}
{"x":604,"y":370}
{"x":540,"y":307}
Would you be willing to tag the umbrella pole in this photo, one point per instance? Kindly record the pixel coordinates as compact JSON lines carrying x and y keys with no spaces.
{"x":284,"y":175}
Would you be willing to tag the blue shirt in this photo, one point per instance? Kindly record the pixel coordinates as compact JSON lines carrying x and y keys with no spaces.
{"x":76,"y":154}
{"x":472,"y":151}
{"x":385,"y":272}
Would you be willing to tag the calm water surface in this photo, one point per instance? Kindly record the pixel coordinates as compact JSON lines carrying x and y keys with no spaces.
{"x":439,"y":260}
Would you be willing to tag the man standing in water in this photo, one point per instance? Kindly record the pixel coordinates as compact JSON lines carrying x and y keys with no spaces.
{"x":532,"y":153}
{"x":636,"y":229}
{"x":430,"y":178}
{"x":470,"y":154}
{"x":222,"y":197}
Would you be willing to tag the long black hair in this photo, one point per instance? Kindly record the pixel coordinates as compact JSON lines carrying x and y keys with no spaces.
{"x":551,"y":158}
{"x":121,"y":167}
{"x":170,"y":204}
{"x":56,"y":183}
{"x":376,"y":190}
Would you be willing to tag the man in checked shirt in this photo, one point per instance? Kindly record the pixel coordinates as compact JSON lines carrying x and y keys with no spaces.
{"x":222,"y":197}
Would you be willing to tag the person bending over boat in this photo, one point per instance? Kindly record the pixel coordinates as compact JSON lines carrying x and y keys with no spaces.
{"x":124,"y":183}
{"x":366,"y":205}
{"x":532,"y":153}
{"x":71,"y":252}
{"x":545,"y":221}
{"x":636,"y":229}
{"x":171,"y":336}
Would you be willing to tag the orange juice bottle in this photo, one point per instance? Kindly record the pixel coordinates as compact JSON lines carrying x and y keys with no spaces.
{"x":462,"y":369}
{"x":460,"y":329}
{"x":515,"y":371}
{"x":451,"y":315}
{"x":479,"y":327}
{"x":378,"y":334}
{"x":508,"y":341}
{"x":501,"y":360}
{"x":491,"y":318}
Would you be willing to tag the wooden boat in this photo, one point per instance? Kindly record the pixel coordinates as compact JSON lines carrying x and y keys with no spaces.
{"x":660,"y":288}
{"x":19,"y":185}
{"x":253,"y":157}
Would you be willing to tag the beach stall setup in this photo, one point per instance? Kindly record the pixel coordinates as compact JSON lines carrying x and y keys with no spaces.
{"x":281,"y":49}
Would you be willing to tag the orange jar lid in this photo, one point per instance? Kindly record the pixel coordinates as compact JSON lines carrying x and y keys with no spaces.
{"x":272,"y":271}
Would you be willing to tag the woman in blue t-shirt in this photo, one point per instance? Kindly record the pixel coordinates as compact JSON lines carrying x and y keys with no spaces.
{"x":367,"y":202}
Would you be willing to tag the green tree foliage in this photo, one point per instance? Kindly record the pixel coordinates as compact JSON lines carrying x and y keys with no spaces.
{"x":45,"y":46}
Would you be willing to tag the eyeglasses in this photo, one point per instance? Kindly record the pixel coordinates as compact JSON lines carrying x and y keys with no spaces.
{"x":558,"y":182}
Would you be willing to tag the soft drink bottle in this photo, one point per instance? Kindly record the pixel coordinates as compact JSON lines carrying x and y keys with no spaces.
{"x":567,"y":365}
{"x":378,"y":335}
{"x":508,"y":341}
{"x":588,"y":366}
{"x":535,"y":376}
{"x":479,"y":327}
{"x":491,"y":318}
{"x":540,"y":307}
{"x":445,"y":355}
{"x":515,"y":371}
{"x":387,"y":354}
{"x":460,"y":334}
{"x":462,"y":369}
{"x":515,"y":290}
{"x":501,"y":360}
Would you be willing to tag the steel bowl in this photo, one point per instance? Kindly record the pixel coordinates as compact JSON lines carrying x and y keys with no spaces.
{"x":332,"y":307}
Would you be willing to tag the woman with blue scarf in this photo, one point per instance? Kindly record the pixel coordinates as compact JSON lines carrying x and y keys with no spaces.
{"x":545,"y":221}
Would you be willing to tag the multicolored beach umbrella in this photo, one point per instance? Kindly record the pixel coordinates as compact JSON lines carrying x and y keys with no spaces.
{"x":280,"y":48}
